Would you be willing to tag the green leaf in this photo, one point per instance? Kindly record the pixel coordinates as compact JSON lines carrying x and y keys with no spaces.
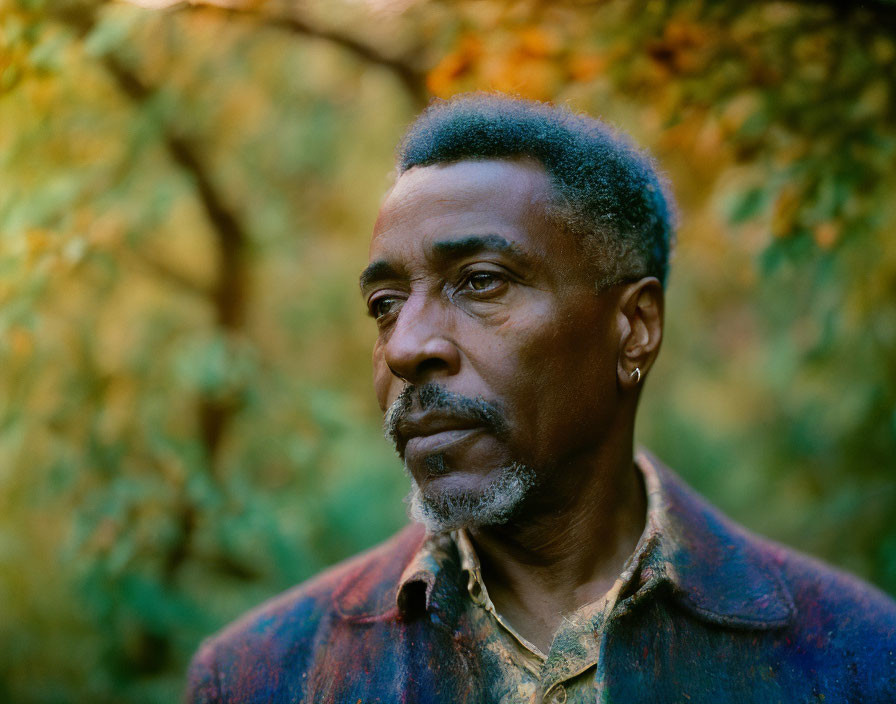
{"x":747,"y":205}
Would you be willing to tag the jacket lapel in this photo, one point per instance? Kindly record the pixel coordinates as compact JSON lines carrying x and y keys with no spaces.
{"x":400,"y":620}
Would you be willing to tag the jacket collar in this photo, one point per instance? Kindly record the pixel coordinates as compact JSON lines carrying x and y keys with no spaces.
{"x":716,"y":569}
{"x":430,"y":580}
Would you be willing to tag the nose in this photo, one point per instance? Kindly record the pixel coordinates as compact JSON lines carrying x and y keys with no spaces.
{"x":420,"y":348}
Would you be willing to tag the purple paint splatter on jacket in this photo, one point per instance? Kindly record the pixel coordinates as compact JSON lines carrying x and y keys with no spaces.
{"x":712,"y":615}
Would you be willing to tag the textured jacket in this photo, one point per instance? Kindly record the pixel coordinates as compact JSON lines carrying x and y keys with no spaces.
{"x":719,"y":615}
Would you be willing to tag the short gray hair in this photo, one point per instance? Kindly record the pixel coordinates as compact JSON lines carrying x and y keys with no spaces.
{"x":606,"y":191}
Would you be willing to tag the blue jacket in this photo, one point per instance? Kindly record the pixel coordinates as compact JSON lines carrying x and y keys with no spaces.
{"x":720,"y":615}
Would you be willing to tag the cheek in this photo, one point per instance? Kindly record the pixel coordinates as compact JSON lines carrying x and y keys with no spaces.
{"x":560,"y":345}
{"x":563,"y":380}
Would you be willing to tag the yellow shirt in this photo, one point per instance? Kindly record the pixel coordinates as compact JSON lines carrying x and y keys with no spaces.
{"x":566,"y":672}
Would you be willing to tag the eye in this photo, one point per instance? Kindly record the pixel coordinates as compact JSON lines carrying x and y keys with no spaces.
{"x":383,"y":306}
{"x":483,"y":281}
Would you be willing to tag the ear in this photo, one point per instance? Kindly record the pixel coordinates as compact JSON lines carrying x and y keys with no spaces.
{"x":640,"y":318}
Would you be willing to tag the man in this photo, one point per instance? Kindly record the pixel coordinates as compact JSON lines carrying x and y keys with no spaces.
{"x":516,"y":278}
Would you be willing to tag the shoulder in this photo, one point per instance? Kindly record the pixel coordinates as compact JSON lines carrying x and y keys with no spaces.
{"x":842,"y":630}
{"x":842,"y":625}
{"x":277,"y":640}
{"x":810,"y":624}
{"x":830,"y":601}
{"x":729,"y":566}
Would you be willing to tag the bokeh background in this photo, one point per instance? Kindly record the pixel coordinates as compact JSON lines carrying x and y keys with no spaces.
{"x":186,"y":420}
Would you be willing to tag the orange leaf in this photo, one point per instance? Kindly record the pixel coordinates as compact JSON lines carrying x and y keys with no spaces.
{"x":586,"y":67}
{"x":826,"y":234}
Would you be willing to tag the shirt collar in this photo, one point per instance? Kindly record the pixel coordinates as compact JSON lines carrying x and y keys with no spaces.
{"x":717,"y":570}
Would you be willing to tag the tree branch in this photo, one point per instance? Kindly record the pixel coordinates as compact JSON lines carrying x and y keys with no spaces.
{"x":165,"y":271}
{"x":228,"y":297}
{"x":229,"y":294}
{"x":411,"y":78}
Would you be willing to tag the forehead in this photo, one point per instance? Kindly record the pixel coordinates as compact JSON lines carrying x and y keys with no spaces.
{"x":500,"y":197}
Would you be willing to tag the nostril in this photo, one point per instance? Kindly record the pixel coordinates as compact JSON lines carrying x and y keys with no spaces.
{"x":397,"y":373}
{"x":431,"y":365}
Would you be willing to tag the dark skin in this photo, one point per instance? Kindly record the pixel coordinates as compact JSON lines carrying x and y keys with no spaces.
{"x":475,"y":287}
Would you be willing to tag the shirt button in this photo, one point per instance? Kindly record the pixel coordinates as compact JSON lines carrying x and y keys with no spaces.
{"x":559,"y":695}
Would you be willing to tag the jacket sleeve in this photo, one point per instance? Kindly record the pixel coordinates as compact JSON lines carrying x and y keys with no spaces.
{"x":202,"y":679}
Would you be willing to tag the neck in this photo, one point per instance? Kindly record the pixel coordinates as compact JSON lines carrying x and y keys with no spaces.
{"x":568,"y":551}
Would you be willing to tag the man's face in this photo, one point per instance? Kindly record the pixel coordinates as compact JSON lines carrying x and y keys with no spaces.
{"x":490,"y":324}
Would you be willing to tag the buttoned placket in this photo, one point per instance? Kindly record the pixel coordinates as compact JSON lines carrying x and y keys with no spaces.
{"x":588,"y":626}
{"x":580,"y":642}
{"x":582,"y":633}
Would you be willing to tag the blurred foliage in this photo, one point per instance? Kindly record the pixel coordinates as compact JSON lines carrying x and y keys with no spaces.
{"x":186,"y":424}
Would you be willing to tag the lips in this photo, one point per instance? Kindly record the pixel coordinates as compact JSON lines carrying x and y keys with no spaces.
{"x":438,"y":442}
{"x":430,"y":433}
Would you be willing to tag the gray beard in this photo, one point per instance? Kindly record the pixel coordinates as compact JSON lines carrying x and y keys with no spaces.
{"x":494,"y":505}
{"x":497,"y":503}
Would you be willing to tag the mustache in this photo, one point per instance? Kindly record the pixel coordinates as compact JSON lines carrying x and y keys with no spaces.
{"x":432,"y":396}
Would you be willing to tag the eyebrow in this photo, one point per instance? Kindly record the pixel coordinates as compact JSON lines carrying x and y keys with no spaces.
{"x":474,"y":244}
{"x":380,"y":270}
{"x":383,"y":270}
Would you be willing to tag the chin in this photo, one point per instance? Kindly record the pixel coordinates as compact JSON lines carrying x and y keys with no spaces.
{"x":447,"y":503}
